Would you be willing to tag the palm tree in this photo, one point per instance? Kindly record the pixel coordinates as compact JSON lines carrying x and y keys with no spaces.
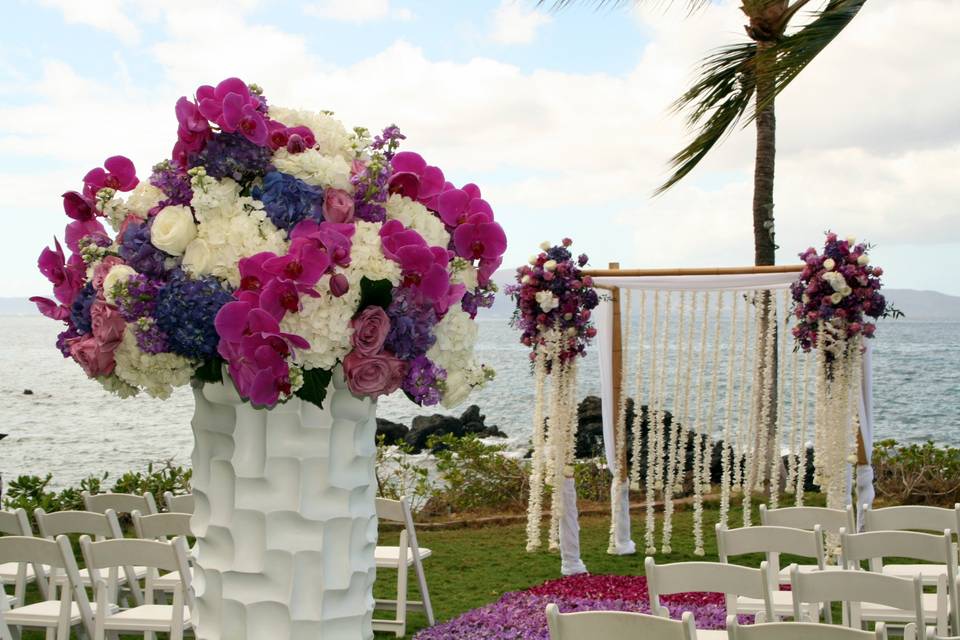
{"x":739,"y":83}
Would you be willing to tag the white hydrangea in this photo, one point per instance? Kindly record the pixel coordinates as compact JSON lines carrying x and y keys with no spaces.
{"x":230,"y":227}
{"x":333,"y":139}
{"x":118,"y":387}
{"x":157,"y":374}
{"x":454,"y":351}
{"x":315,"y":168}
{"x":463,"y":272}
{"x":416,"y":216}
{"x":144,"y":197}
{"x":324,"y":322}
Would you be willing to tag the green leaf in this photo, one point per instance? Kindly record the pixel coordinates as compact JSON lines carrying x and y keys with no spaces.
{"x":211,"y":370}
{"x":315,"y":383}
{"x":375,"y":293}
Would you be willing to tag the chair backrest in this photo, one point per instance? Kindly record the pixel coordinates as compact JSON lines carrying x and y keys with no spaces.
{"x":15,"y":523}
{"x":390,"y":510}
{"x":799,"y":631}
{"x":178,"y":504}
{"x":911,"y":518}
{"x":120,"y":502}
{"x":100,"y":525}
{"x":852,"y":586}
{"x":712,"y":577}
{"x":617,"y":625}
{"x":808,"y":517}
{"x":772,"y":541}
{"x":161,"y":525}
{"x":876,"y":545}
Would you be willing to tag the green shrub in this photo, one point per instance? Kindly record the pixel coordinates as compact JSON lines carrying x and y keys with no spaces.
{"x":399,"y":475}
{"x":916,"y":473}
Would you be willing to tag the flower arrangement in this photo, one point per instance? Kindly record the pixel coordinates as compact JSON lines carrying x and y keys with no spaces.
{"x":552,"y":293}
{"x":280,"y":244}
{"x":839,"y":286}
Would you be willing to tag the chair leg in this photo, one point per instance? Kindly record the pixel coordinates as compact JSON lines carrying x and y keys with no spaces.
{"x":424,"y":591}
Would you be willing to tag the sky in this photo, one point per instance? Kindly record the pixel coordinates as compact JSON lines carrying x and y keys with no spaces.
{"x":562,"y":118}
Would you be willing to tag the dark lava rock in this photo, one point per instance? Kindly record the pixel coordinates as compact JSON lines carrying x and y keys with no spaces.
{"x":392,"y":432}
{"x":472,"y":422}
{"x":28,"y":392}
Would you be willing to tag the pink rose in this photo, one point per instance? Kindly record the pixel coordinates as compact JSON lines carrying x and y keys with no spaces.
{"x":370,"y":331}
{"x":337,"y":206}
{"x":89,"y":354}
{"x":108,"y":325}
{"x":103,"y":269}
{"x":373,"y":375}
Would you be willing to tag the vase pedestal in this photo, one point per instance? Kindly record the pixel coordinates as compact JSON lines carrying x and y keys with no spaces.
{"x":285,"y":517}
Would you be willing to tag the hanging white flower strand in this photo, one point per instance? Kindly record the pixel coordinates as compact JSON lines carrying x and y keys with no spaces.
{"x":742,"y":458}
{"x":660,"y":458}
{"x":793,"y":456}
{"x":781,"y":337}
{"x":676,"y":433}
{"x":728,"y":449}
{"x":804,"y":422}
{"x":711,"y":414}
{"x":620,"y":442}
{"x":752,"y":440}
{"x":699,"y":434}
{"x":535,"y":506}
{"x":651,"y":441}
{"x":639,"y":396}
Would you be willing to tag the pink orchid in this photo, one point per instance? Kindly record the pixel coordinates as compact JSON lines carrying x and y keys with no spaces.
{"x":393,"y":236}
{"x":486,"y":270}
{"x":117,"y":173}
{"x":478,"y":238}
{"x":294,"y":139}
{"x":80,"y":229}
{"x":192,"y":133}
{"x":231,"y":105}
{"x":304,"y":264}
{"x":279,"y":297}
{"x":51,"y":309}
{"x":413,"y":177}
{"x":336,"y":238}
{"x":78,"y":207}
{"x":66,"y":277}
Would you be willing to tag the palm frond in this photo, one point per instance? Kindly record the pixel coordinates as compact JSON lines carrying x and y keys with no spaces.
{"x":692,"y":5}
{"x":717,"y":101}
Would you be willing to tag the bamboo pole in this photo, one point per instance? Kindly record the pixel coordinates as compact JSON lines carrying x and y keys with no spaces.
{"x":617,"y":353}
{"x":695,"y":271}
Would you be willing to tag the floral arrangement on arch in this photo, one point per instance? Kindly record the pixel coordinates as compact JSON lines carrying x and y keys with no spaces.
{"x":838,"y":286}
{"x":281,"y":244}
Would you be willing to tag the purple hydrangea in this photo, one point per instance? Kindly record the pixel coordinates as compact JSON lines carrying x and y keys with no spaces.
{"x":420,"y":383}
{"x":288,"y":200}
{"x":63,"y":339}
{"x":80,"y":309}
{"x":138,"y":306}
{"x":231,"y":155}
{"x":174,"y":183}
{"x":137,"y":251}
{"x":186,"y":309}
{"x":411,"y":326}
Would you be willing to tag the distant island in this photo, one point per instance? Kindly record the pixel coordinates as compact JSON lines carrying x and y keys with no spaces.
{"x":915,"y":304}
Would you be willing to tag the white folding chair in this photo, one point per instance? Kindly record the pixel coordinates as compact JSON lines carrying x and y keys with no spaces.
{"x":932,"y":635}
{"x":874,"y":546}
{"x":401,"y":557}
{"x":120,"y":502}
{"x":804,"y":631}
{"x":177,"y":504}
{"x":830,"y":521}
{"x":617,"y":625}
{"x":857,"y":590}
{"x":19,"y":574}
{"x":148,"y":618}
{"x":57,"y":616}
{"x":163,"y":527}
{"x":771,"y":541}
{"x":711,"y":577}
{"x":913,"y":518}
{"x":102,"y":526}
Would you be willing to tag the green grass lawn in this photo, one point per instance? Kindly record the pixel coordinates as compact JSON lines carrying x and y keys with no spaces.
{"x":474,"y":566}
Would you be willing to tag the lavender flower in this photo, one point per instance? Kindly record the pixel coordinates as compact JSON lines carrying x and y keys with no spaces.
{"x":389,"y":139}
{"x":231,"y":155}
{"x":137,"y":305}
{"x":421,"y":381}
{"x":411,"y":326}
{"x":186,"y":309}
{"x":174,"y":183}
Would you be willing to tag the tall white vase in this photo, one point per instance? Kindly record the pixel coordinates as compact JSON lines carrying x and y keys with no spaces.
{"x":285,"y":521}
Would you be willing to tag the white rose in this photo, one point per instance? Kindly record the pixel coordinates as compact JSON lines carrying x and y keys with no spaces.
{"x":119,"y":273}
{"x":547,"y":301}
{"x":851,"y":240}
{"x":198,"y":259}
{"x":173,"y":229}
{"x":545,"y":245}
{"x":533,"y":259}
{"x":550,"y":265}
{"x":863,"y":260}
{"x":525,"y":280}
{"x":829,"y":264}
{"x":836,"y":298}
{"x":846,"y":291}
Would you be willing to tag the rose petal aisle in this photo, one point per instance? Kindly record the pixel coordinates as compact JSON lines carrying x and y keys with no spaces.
{"x":520,"y":615}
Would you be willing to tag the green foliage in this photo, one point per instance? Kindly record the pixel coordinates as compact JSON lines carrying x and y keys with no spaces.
{"x":167,"y":478}
{"x":315,"y":383}
{"x":400,"y":475}
{"x":916,"y":473}
{"x":375,"y":292}
{"x":476,"y":477}
{"x":211,"y":370}
{"x":592,"y":480}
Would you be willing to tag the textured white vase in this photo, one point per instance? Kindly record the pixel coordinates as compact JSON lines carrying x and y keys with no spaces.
{"x":285,"y":521}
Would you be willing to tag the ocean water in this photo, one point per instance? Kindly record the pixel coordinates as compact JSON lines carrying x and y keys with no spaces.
{"x":69,"y":426}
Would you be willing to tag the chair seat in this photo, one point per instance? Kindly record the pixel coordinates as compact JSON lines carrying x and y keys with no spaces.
{"x":782,"y":602}
{"x":784,"y":574}
{"x":169,"y":581}
{"x":711,"y":634}
{"x":881,"y":613}
{"x":929,"y":573}
{"x":44,"y":614}
{"x":146,"y":617}
{"x":387,"y":557}
{"x":9,"y":571}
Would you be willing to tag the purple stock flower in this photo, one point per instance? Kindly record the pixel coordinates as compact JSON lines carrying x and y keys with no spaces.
{"x":421,"y":381}
{"x":174,"y":183}
{"x":80,"y":309}
{"x":230,"y":155}
{"x":371,"y":192}
{"x":411,"y":325}
{"x":139,"y":253}
{"x":473,"y":301}
{"x":138,"y":306}
{"x":389,"y":140}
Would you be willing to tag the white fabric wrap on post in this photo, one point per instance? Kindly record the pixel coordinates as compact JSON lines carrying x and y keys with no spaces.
{"x":285,"y":520}
{"x":737,"y":282}
{"x":570,"y":562}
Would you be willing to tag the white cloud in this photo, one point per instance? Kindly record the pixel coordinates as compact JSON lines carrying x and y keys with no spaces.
{"x":515,"y":24}
{"x":106,"y":15}
{"x":357,"y":10}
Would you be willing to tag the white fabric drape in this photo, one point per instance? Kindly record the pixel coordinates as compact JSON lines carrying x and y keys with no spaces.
{"x":739,"y":282}
{"x":570,"y":562}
